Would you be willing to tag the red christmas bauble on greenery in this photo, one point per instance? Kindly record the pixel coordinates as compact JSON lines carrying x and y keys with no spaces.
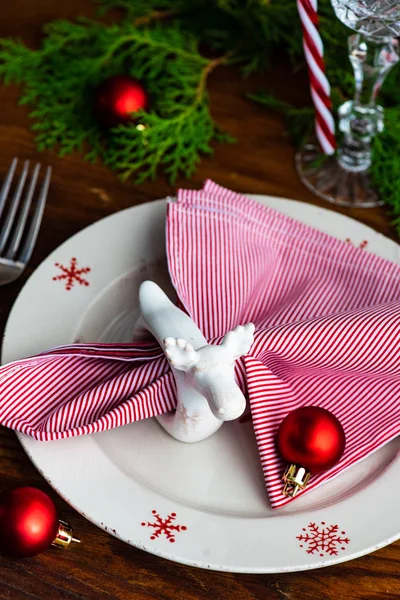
{"x":311,"y":437}
{"x":117,"y":98}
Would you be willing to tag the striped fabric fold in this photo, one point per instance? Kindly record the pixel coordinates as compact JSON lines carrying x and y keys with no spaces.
{"x":327,"y":319}
{"x":81,"y":389}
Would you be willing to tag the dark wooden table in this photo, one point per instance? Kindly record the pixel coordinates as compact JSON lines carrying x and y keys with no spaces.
{"x":102,"y":567}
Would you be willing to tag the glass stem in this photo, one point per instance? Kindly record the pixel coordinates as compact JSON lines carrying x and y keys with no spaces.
{"x":361,"y":119}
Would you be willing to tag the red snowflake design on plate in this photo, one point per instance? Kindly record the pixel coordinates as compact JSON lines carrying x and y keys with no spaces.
{"x":164,"y":526}
{"x":324,"y":539}
{"x":361,"y":245}
{"x":72,"y":274}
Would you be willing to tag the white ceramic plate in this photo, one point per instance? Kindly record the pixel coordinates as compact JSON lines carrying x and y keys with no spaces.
{"x":203,"y":504}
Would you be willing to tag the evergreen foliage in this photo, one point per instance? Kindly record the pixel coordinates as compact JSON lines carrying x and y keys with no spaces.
{"x":167,"y":45}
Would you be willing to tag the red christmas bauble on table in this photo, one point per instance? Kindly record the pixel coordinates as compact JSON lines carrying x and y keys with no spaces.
{"x":311,"y":440}
{"x":29,"y":523}
{"x":117,"y":98}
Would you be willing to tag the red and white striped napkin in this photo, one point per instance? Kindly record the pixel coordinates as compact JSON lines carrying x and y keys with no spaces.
{"x":327,"y":319}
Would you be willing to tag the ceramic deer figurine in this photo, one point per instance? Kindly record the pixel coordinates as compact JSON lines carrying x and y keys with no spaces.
{"x":207,"y":393}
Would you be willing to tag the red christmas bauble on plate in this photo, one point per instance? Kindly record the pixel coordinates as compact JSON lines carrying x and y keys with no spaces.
{"x":311,"y":437}
{"x":28,"y":522}
{"x":117,"y":98}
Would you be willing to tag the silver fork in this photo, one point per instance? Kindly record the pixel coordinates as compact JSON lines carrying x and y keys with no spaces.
{"x":15,"y":255}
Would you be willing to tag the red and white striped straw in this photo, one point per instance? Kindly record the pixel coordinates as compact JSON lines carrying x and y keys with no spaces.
{"x":319,"y":84}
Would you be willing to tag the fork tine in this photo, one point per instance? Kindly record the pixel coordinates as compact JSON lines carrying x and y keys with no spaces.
{"x":7,"y":184}
{"x":19,"y":228}
{"x":30,"y":241}
{"x":13,"y":208}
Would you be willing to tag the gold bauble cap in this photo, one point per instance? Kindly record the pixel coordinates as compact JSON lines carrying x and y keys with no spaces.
{"x":295,"y":478}
{"x":65,"y":536}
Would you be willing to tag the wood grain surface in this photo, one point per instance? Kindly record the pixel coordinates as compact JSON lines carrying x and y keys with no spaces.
{"x":102,"y":567}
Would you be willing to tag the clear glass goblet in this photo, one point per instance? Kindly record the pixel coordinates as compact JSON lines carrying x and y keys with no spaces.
{"x":373,"y":50}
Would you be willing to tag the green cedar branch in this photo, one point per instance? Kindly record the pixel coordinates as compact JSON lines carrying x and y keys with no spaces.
{"x":59,"y":78}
